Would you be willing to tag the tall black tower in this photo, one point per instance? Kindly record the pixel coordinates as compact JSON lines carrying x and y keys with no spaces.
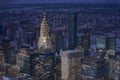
{"x":72,"y":30}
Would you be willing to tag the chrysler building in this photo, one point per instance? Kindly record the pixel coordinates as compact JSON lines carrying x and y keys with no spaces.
{"x":44,"y":41}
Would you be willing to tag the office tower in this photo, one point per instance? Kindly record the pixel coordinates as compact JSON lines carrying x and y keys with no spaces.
{"x":93,"y":44}
{"x":6,"y":48}
{"x":71,"y":64}
{"x":42,"y":65}
{"x":23,"y":61}
{"x":59,"y":41}
{"x":117,"y":71}
{"x":12,"y":56}
{"x":101,"y":43}
{"x":114,"y":65}
{"x":42,"y":62}
{"x":30,"y":38}
{"x":57,"y":68}
{"x":93,"y":68}
{"x":86,"y":40}
{"x":72,"y":30}
{"x":111,"y":43}
{"x":44,"y":41}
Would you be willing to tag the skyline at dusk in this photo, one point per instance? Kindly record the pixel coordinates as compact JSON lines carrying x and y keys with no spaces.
{"x":60,"y":40}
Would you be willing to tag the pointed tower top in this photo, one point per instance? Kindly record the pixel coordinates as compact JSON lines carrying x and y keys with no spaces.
{"x":44,"y":17}
{"x":44,"y":13}
{"x":44,"y":39}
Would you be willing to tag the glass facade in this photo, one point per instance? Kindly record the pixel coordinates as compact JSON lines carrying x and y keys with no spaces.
{"x":72,"y":31}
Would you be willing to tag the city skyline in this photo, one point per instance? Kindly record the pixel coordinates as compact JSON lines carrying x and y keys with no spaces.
{"x":59,"y":41}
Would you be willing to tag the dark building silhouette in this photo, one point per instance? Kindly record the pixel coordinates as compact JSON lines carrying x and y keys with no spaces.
{"x":111,"y":43}
{"x":85,"y":42}
{"x":1,"y":30}
{"x":72,"y":30}
{"x":59,"y":41}
{"x":6,"y":48}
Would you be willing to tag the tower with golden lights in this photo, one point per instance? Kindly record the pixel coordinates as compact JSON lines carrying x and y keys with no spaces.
{"x":44,"y":39}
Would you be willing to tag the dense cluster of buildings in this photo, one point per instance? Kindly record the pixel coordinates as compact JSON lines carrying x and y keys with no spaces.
{"x":59,"y":49}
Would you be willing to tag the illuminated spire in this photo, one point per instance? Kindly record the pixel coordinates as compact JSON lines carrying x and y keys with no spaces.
{"x":44,"y":17}
{"x":44,"y":39}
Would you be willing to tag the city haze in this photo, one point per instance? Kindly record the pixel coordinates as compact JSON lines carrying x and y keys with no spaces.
{"x":56,"y":1}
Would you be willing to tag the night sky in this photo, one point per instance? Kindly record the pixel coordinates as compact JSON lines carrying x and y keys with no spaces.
{"x":57,"y":1}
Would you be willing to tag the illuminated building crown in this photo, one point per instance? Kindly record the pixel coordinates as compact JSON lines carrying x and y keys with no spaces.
{"x":44,"y":39}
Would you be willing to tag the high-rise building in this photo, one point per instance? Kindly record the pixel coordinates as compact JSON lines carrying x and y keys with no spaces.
{"x":71,"y":64}
{"x":59,"y":41}
{"x":6,"y":48}
{"x":93,"y":68}
{"x":101,"y":43}
{"x":117,"y":71}
{"x":72,"y":30}
{"x":23,"y":61}
{"x":111,"y":67}
{"x":111,"y":43}
{"x":93,"y":44}
{"x":42,"y":65}
{"x":57,"y":68}
{"x":42,"y":61}
{"x":113,"y":59}
{"x":12,"y":56}
{"x":86,"y":42}
{"x":44,"y":41}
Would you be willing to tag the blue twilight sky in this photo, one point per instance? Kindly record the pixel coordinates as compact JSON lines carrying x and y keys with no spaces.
{"x":57,"y":1}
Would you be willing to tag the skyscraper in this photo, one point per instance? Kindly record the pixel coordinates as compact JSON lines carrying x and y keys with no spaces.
{"x":72,"y":30}
{"x":86,"y":42}
{"x":23,"y":61}
{"x":42,"y":61}
{"x":44,"y":39}
{"x":6,"y":48}
{"x":101,"y":43}
{"x":42,"y":65}
{"x":111,"y":43}
{"x":71,"y":64}
{"x":59,"y":41}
